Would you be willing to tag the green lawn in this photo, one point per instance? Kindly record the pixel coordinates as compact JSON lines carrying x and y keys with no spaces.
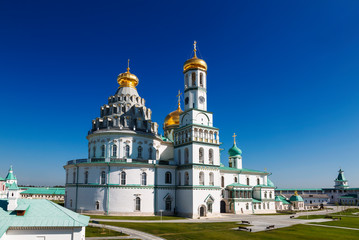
{"x":102,"y":232}
{"x":223,"y":231}
{"x":351,"y":222}
{"x":143,"y":218}
{"x":348,"y":219}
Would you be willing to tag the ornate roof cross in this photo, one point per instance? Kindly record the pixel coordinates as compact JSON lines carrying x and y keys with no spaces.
{"x":234,"y":138}
{"x":128,"y":65}
{"x":195,"y":48}
{"x":179,"y":97}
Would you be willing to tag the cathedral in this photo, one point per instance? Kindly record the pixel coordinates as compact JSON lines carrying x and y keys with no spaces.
{"x":132,"y":170}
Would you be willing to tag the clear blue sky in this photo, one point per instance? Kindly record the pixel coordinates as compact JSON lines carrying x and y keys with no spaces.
{"x":283,"y":75}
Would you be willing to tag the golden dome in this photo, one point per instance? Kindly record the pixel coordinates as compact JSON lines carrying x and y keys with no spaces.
{"x":127,"y":79}
{"x":195,"y":62}
{"x":173,"y":119}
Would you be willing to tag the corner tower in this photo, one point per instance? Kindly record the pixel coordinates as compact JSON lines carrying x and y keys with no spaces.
{"x":196,"y":147}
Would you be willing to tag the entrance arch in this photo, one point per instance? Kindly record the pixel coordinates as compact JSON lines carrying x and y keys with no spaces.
{"x":223,"y":206}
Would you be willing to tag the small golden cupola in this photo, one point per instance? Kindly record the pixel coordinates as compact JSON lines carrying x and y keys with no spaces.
{"x":195,"y":62}
{"x":172,"y":120}
{"x":127,"y":79}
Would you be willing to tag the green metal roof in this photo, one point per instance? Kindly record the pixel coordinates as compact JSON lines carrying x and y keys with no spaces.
{"x":13,"y":186}
{"x":1,"y":179}
{"x":234,"y":151}
{"x":10,"y":175}
{"x":256,"y":200}
{"x":299,"y":189}
{"x":296,"y":198}
{"x":45,"y":191}
{"x":270,"y":183}
{"x":282,"y":199}
{"x":39,"y":213}
{"x":341,"y":176}
{"x":238,"y":185}
{"x":349,"y":196}
{"x":241,"y":170}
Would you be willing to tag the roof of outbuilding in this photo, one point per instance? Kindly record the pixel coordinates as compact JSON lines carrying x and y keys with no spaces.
{"x":45,"y":191}
{"x":281,"y":199}
{"x":39,"y":213}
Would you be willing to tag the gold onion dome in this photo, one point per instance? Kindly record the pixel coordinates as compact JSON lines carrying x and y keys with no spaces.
{"x":173,"y":119}
{"x":127,"y":79}
{"x":195,"y":62}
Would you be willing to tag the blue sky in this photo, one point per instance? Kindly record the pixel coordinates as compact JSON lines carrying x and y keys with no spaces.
{"x":283,"y":75}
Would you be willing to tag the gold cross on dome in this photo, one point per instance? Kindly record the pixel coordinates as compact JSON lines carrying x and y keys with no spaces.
{"x":179,"y":97}
{"x":234,"y":137}
{"x":128,"y":65}
{"x":195,"y":46}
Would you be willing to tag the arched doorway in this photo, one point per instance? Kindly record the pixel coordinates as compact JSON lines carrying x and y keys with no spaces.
{"x":202,"y":212}
{"x":223,"y":206}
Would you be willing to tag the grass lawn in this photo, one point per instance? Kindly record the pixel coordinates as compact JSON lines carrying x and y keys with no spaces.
{"x":102,"y":232}
{"x":223,"y":231}
{"x":351,"y":222}
{"x":143,"y":218}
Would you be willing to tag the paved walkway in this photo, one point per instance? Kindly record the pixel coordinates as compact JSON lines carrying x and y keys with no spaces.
{"x":132,"y":233}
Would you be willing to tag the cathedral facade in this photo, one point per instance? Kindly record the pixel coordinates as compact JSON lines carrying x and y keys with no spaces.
{"x":132,"y":170}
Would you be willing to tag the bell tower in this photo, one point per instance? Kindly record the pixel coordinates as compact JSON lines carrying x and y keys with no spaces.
{"x":196,"y":147}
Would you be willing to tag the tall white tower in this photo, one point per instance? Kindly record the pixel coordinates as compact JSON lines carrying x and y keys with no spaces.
{"x":196,"y":144}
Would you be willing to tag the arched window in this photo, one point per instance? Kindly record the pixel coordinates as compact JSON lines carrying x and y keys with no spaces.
{"x":186,"y":156}
{"x":179,"y":156}
{"x":103,"y":177}
{"x":97,"y":205}
{"x":168,"y":178}
{"x":210,"y":155}
{"x":150,"y":151}
{"x":235,"y":179}
{"x":247,"y":206}
{"x":186,"y":81}
{"x":74,"y":177}
{"x":265,"y":194}
{"x":123,"y":178}
{"x":114,"y":151}
{"x":201,"y":157}
{"x":258,"y":182}
{"x":201,"y":79}
{"x":127,"y":150}
{"x":144,"y":178}
{"x":264,"y":206}
{"x":94,"y":152}
{"x":179,"y":179}
{"x":186,"y":178}
{"x":86,"y":177}
{"x":138,"y":204}
{"x":70,"y":202}
{"x":103,"y":148}
{"x":201,"y":178}
{"x":168,"y":203}
{"x":270,"y":194}
{"x":139,"y":152}
{"x":247,"y":181}
{"x":222,"y":181}
{"x":211,"y":179}
{"x":193,"y":79}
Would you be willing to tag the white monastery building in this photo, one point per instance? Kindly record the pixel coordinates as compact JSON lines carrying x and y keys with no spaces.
{"x":132,"y":170}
